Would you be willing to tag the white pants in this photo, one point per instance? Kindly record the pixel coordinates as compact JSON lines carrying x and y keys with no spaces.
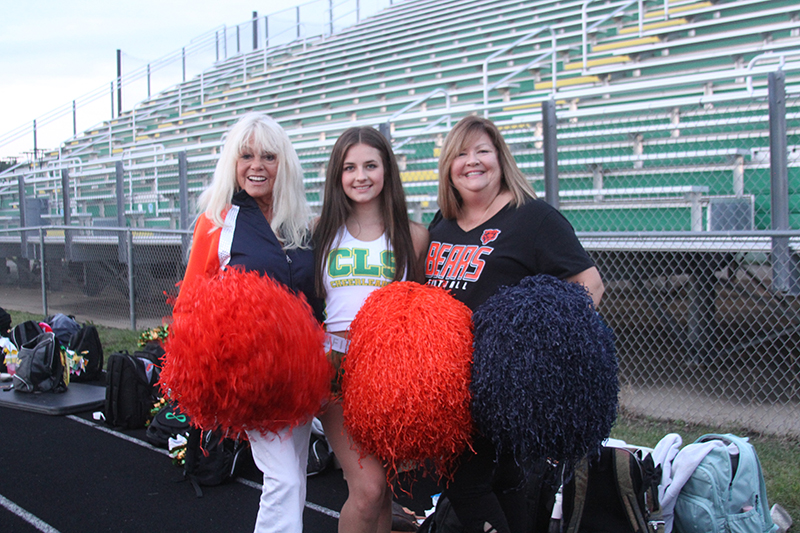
{"x":282,"y":458}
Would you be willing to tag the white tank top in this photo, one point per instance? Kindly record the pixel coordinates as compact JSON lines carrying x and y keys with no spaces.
{"x":353,"y":269}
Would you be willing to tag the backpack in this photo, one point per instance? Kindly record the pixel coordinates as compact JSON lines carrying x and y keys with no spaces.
{"x":167,"y":423}
{"x":726,"y":492}
{"x":25,"y":332}
{"x":131,"y":389}
{"x":442,"y":520}
{"x":211,"y":458}
{"x":63,"y":326}
{"x":40,"y":368}
{"x":85,"y":342}
{"x":614,"y":493}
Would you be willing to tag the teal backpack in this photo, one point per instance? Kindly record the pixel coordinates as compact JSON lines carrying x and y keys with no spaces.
{"x":726,"y":493}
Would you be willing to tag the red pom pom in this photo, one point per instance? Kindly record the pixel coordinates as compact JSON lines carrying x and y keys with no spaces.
{"x":245,"y":353}
{"x":406,"y":377}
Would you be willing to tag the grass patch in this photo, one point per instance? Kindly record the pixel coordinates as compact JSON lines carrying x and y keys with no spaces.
{"x":112,"y":339}
{"x":780,"y":457}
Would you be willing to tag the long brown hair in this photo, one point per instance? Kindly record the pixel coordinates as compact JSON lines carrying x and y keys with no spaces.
{"x":462,"y":133}
{"x":336,"y":206}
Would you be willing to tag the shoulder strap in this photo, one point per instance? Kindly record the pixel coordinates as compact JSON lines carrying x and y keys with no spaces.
{"x":581,"y":480}
{"x":621,"y":459}
{"x":653,"y":520}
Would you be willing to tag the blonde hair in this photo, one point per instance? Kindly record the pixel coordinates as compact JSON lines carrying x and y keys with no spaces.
{"x":459,"y":137}
{"x":291,"y":213}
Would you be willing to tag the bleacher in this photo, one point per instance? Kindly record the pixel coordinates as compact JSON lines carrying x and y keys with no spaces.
{"x":661,"y":113}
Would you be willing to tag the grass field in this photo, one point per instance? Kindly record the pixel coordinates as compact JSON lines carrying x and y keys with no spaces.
{"x":780,"y":457}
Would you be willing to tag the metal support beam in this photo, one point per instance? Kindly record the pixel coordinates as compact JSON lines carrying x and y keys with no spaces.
{"x":43,"y":271}
{"x":255,"y":30}
{"x":779,"y":184}
{"x":549,"y":132}
{"x":66,"y":199}
{"x":120,"y":191}
{"x":23,"y":219}
{"x":183,"y":198}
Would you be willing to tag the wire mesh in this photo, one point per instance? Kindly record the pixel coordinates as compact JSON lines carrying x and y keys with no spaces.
{"x":702,"y":333}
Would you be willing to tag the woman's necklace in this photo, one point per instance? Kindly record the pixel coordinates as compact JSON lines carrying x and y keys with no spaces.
{"x":482,"y":219}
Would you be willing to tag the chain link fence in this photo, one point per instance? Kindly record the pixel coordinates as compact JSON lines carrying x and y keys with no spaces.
{"x":87,"y":273}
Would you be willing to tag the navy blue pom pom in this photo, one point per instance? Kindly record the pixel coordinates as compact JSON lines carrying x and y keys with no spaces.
{"x":544,"y":376}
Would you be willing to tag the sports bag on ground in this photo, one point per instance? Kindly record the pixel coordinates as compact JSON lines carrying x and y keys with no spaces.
{"x":212,"y":459}
{"x":131,"y":389}
{"x":167,"y":423}
{"x":726,"y":492}
{"x":40,"y":367}
{"x":86,"y":343}
{"x":615,"y":493}
{"x":25,"y":332}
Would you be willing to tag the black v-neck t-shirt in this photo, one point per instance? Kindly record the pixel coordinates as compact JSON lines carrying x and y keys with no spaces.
{"x":515,"y":243}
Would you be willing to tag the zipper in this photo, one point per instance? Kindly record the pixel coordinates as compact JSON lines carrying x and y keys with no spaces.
{"x":289,"y":262}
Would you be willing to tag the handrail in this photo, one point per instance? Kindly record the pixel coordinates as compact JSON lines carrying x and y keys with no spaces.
{"x":768,"y":55}
{"x":198,"y":45}
{"x":485,"y":65}
{"x":420,"y":100}
{"x":426,"y":129}
{"x":584,"y":20}
{"x":296,"y":26}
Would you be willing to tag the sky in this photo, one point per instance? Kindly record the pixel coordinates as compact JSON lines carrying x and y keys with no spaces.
{"x":54,"y":51}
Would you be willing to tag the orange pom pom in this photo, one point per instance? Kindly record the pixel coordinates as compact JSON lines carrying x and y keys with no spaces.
{"x":245,"y":353}
{"x":406,"y":377}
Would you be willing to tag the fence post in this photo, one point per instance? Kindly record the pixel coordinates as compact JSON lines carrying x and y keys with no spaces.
{"x":67,"y":203}
{"x":42,"y":270}
{"x":122,"y":254}
{"x":779,"y":183}
{"x":255,"y":30}
{"x":131,"y":280}
{"x":550,"y":152}
{"x":183,"y":198}
{"x":23,"y":219}
{"x":385,"y":129}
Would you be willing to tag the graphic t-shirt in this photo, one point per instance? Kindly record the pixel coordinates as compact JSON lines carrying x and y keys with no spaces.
{"x":515,"y":243}
{"x":354,"y":269}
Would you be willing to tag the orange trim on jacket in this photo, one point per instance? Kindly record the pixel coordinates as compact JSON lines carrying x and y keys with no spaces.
{"x":204,"y":256}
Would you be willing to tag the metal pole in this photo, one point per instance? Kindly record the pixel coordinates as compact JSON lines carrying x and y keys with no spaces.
{"x":131,"y":284}
{"x":35,"y":147}
{"x":42,"y":270}
{"x":67,"y":204}
{"x":779,"y":182}
{"x":112,"y":100}
{"x":550,"y":152}
{"x":216,"y":45}
{"x":385,"y":129}
{"x":74,"y":120}
{"x":119,"y":82}
{"x":266,"y":32}
{"x":238,"y":44}
{"x":183,"y":198}
{"x":298,"y":21}
{"x":330,"y":11}
{"x":120,"y":192}
{"x":358,"y":11}
{"x":23,"y":219}
{"x":255,"y":30}
{"x":148,"y":81}
{"x":183,"y":62}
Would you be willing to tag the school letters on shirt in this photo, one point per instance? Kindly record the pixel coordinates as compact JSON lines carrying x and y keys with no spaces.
{"x":354,"y":267}
{"x":453,"y":266}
